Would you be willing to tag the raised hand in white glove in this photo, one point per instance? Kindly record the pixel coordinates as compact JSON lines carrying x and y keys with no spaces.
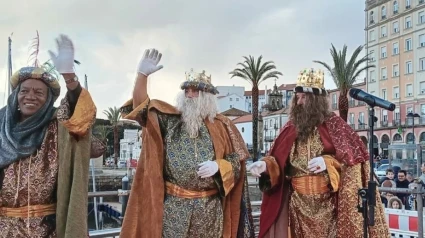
{"x":257,"y":168}
{"x":316,"y":165}
{"x":64,"y":60}
{"x":207,"y":169}
{"x":149,"y":62}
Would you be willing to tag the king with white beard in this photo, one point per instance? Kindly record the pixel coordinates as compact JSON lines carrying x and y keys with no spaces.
{"x":190,"y":180}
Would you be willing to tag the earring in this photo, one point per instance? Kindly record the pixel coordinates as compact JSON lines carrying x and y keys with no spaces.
{"x":19,"y":108}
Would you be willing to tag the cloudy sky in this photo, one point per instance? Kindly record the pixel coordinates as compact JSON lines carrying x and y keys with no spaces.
{"x":110,"y":37}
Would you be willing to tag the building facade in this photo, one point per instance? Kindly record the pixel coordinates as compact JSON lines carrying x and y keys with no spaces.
{"x":395,"y":43}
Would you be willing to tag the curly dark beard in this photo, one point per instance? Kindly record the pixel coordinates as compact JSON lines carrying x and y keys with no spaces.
{"x":311,"y":114}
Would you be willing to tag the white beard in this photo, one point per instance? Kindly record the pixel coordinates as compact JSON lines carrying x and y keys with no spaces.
{"x":195,"y":110}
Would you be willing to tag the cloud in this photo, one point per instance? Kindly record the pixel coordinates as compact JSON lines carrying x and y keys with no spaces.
{"x":110,"y":38}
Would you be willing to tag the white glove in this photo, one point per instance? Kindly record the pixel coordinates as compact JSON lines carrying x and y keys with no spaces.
{"x":149,"y":62}
{"x":64,"y":61}
{"x":316,"y":165}
{"x":207,"y":169}
{"x":257,"y":168}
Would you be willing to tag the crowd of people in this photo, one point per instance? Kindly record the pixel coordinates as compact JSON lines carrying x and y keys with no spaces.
{"x":401,"y":179}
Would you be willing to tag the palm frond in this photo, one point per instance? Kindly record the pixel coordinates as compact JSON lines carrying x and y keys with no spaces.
{"x":34,"y":50}
{"x":113,"y":114}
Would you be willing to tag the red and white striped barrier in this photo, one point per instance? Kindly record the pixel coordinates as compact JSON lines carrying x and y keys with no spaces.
{"x":400,"y":220}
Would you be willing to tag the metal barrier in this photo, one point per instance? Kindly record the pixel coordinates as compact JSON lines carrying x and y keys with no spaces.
{"x":106,"y":233}
{"x":256,"y":215}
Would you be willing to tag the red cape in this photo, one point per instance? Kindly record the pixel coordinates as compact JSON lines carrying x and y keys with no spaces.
{"x":338,"y":138}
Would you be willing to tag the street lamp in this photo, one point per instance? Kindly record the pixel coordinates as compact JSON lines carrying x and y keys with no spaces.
{"x":131,"y":157}
{"x":412,"y":116}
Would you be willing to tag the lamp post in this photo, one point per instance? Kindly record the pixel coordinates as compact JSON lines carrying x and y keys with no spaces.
{"x":131,"y":157}
{"x":412,"y":116}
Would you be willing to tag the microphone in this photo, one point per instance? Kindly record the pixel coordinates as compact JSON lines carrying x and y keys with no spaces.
{"x":371,"y":100}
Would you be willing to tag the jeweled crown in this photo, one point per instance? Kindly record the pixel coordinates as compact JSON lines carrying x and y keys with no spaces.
{"x":198,"y":77}
{"x":311,"y":78}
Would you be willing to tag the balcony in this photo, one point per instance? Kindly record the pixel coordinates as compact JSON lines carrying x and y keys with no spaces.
{"x":352,"y":126}
{"x":397,"y":122}
{"x":362,"y":127}
{"x":422,"y":121}
{"x":269,"y":138}
{"x":361,"y":104}
{"x":384,"y":123}
{"x":334,"y":106}
{"x":351,"y":103}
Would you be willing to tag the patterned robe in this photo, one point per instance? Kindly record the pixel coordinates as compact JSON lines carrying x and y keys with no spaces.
{"x":343,"y":145}
{"x":197,"y":217}
{"x":47,"y":176}
{"x":310,"y":215}
{"x":169,"y":155}
{"x":35,"y":179}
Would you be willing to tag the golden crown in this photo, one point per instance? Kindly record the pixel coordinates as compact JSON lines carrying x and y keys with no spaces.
{"x":311,"y":78}
{"x":198,"y":77}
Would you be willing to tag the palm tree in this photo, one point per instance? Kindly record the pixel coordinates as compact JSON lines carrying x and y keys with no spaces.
{"x":114,"y":116}
{"x":255,"y":72}
{"x":345,"y":73}
{"x":102,"y":132}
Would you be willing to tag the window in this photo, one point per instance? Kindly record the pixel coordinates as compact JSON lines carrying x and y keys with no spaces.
{"x":410,"y":109}
{"x":409,"y":90}
{"x":372,"y":35}
{"x":372,"y":56}
{"x":361,"y":118}
{"x":397,"y":113}
{"x":395,"y":70}
{"x":396,"y":92}
{"x":237,"y":99}
{"x":422,"y":109}
{"x":395,"y":7}
{"x":383,"y":52}
{"x":231,"y":106}
{"x":351,"y":119}
{"x":421,"y":17}
{"x":422,"y":87}
{"x":230,"y":99}
{"x":408,"y":44}
{"x":372,"y":76}
{"x":409,"y":67}
{"x":407,"y":4}
{"x":383,"y":73}
{"x":371,"y":18}
{"x":383,"y":12}
{"x":395,"y":27}
{"x":408,"y":21}
{"x":383,"y":31}
{"x":384,"y":115}
{"x":422,"y":64}
{"x":243,"y":130}
{"x":334,"y":98}
{"x":395,"y":48}
{"x":384,"y":94}
{"x":422,"y":40}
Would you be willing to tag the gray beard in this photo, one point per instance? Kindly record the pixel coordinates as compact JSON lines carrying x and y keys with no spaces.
{"x":191,"y":117}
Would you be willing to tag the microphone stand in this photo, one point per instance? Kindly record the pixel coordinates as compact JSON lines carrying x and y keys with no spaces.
{"x":368,"y":195}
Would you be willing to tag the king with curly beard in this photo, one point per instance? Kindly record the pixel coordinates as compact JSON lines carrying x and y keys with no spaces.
{"x":313,"y":172}
{"x":190,"y":180}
